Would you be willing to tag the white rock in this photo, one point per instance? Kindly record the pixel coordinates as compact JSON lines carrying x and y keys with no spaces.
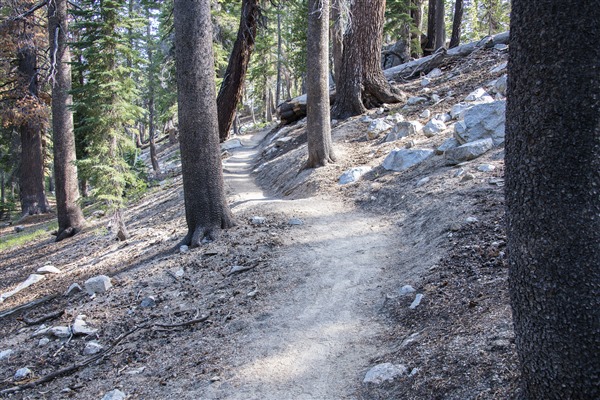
{"x":435,"y":98}
{"x":257,"y":220}
{"x":5,"y":354}
{"x":32,"y":279}
{"x":231,"y":144}
{"x":48,"y":269}
{"x":468,"y":151}
{"x":377,"y":127}
{"x":114,"y":395}
{"x":74,"y":288}
{"x":380,"y":111}
{"x":384,"y":372}
{"x":434,"y":127}
{"x":402,"y":159}
{"x":501,"y":85}
{"x":434,"y":73}
{"x":403,"y":129}
{"x":423,"y":181}
{"x":483,"y":121}
{"x":283,"y":141}
{"x":448,"y":144}
{"x":80,"y":327}
{"x":425,"y":114}
{"x":425,"y":82}
{"x":416,"y":100}
{"x":92,"y":348}
{"x":477,"y":95}
{"x":61,"y":332}
{"x":353,"y":175}
{"x":486,"y":168}
{"x":97,"y":284}
{"x":443,"y":117}
{"x":459,"y":109}
{"x":366,"y":119}
{"x":501,"y":47}
{"x":499,"y":68}
{"x":183,"y":249}
{"x":416,"y":301}
{"x":43,"y":341}
{"x":471,"y":220}
{"x":406,"y":289}
{"x":148,"y":302}
{"x":394,"y":118}
{"x":22,"y":373}
{"x":295,"y":221}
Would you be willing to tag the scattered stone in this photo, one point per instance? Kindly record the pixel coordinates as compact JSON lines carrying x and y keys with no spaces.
{"x":500,"y":344}
{"x":183,"y":249}
{"x":74,"y":288}
{"x":92,"y":348}
{"x":22,"y":373}
{"x":80,"y":327}
{"x":384,"y":372}
{"x":5,"y":354}
{"x":295,"y":221}
{"x":459,"y":172}
{"x":412,"y":101}
{"x":499,"y":68}
{"x":19,"y":228}
{"x":231,"y":144}
{"x":283,"y":141}
{"x":403,"y":129}
{"x":416,"y":301}
{"x":467,"y":177}
{"x":257,"y":220}
{"x":414,"y":372}
{"x":215,"y":379}
{"x":486,"y":168}
{"x":366,"y":119}
{"x":148,"y":302}
{"x":443,"y":117}
{"x":410,"y":340}
{"x":31,"y":279}
{"x":448,"y":144}
{"x":395,"y":118}
{"x":423,"y":181}
{"x":425,"y":82}
{"x":433,"y":128}
{"x":496,"y":181}
{"x":425,"y":114}
{"x":434,"y":73}
{"x":501,"y":85}
{"x":114,"y":395}
{"x":61,"y":332}
{"x":501,"y":47}
{"x":252,"y":293}
{"x":236,"y":269}
{"x":402,"y":159}
{"x":406,"y":289}
{"x":377,"y":127}
{"x":435,"y":98}
{"x":468,"y":151}
{"x":471,"y":220}
{"x":458,"y":110}
{"x":380,"y":111}
{"x":353,"y":175}
{"x":48,"y":269}
{"x":483,"y":121}
{"x":97,"y":284}
{"x":43,"y":341}
{"x":180,"y":272}
{"x":477,"y":95}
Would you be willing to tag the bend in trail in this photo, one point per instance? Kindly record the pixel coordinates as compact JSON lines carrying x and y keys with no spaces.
{"x":319,"y":338}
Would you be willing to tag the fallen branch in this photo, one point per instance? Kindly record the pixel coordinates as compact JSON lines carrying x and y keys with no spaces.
{"x":27,"y":306}
{"x":43,"y":318}
{"x":100,"y":356}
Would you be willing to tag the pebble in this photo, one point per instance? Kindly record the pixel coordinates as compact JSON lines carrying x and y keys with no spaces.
{"x":48,"y":269}
{"x":114,"y":395}
{"x":256,"y":220}
{"x":467,"y":177}
{"x":295,"y":221}
{"x":22,"y":373}
{"x":61,"y":332}
{"x":406,"y":289}
{"x":471,"y":220}
{"x":425,"y":114}
{"x":4,"y":354}
{"x":97,"y":284}
{"x":423,"y":181}
{"x":425,"y":82}
{"x":486,"y":168}
{"x":384,"y":372}
{"x":92,"y":348}
{"x":43,"y":341}
{"x":252,"y":293}
{"x":74,"y":288}
{"x":416,"y":301}
{"x":184,"y":249}
{"x":416,"y":100}
{"x":80,"y":327}
{"x":148,"y":302}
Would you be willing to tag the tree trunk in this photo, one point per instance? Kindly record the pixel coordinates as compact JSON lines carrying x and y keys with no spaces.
{"x":337,"y":35}
{"x":279,"y":57}
{"x":430,"y":44}
{"x":362,"y":84}
{"x":206,"y":207}
{"x":33,"y":197}
{"x":456,"y":24}
{"x":151,"y":83}
{"x":552,"y":181}
{"x":318,"y":128}
{"x":70,"y":217}
{"x":233,"y":81}
{"x":440,"y":24}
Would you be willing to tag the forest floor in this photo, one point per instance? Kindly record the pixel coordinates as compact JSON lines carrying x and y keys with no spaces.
{"x":317,"y":302}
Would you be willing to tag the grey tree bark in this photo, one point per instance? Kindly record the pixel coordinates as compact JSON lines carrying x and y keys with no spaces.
{"x":552,"y":196}
{"x":337,"y":35}
{"x":318,"y":126}
{"x":456,"y":24}
{"x":70,"y":217}
{"x":362,"y":84}
{"x":440,"y":25}
{"x":206,"y":208}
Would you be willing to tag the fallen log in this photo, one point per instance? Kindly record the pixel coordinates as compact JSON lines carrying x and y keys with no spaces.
{"x":294,"y":109}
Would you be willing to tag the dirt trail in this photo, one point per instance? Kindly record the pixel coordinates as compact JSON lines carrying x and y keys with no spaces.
{"x":319,"y":339}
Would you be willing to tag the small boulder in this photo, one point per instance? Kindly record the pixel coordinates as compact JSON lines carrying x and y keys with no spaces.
{"x":19,"y":228}
{"x":448,"y":144}
{"x":499,"y":68}
{"x":486,"y":168}
{"x":443,"y":117}
{"x":295,"y":221}
{"x":61,"y":332}
{"x":183,"y":249}
{"x":501,"y":85}
{"x":425,"y":114}
{"x":423,"y":181}
{"x":477,"y":95}
{"x":114,"y":395}
{"x":433,"y":128}
{"x":384,"y":372}
{"x":406,"y":289}
{"x":434,"y":73}
{"x":258,"y":220}
{"x":22,"y":373}
{"x":394,"y":118}
{"x":402,"y":159}
{"x":148,"y":302}
{"x":48,"y":269}
{"x":97,"y":284}
{"x":74,"y":288}
{"x":92,"y":348}
{"x":353,"y":175}
{"x":43,"y":341}
{"x":231,"y":144}
{"x":416,"y":301}
{"x":425,"y":82}
{"x":483,"y":121}
{"x":412,"y":101}
{"x":5,"y":354}
{"x":459,"y":109}
{"x":80,"y":327}
{"x":468,"y":151}
{"x":377,"y":127}
{"x":403,"y":129}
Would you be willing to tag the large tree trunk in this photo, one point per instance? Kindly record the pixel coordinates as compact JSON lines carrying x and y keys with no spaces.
{"x":33,"y":197}
{"x":151,"y":83}
{"x":361,"y":83}
{"x":318,"y":128}
{"x":233,"y":81}
{"x":429,"y":47}
{"x":552,"y":181}
{"x":206,"y":208}
{"x":337,"y":35}
{"x":456,"y":24}
{"x":440,"y":25}
{"x":279,"y":57}
{"x":70,"y":217}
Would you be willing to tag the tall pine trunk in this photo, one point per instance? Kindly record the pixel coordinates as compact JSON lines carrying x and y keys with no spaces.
{"x":440,"y":24}
{"x":552,"y":195}
{"x":456,"y":24}
{"x":318,"y":128}
{"x":337,"y":35}
{"x":361,"y":83}
{"x":206,"y":208}
{"x":233,"y":80}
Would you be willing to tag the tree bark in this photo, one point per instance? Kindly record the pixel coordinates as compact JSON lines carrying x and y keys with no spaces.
{"x":318,"y":127}
{"x":33,"y":196}
{"x":206,"y":208}
{"x":456,"y":24}
{"x":429,"y":47}
{"x":552,"y":181}
{"x":362,"y":84}
{"x":337,"y":35}
{"x":233,"y":81}
{"x":151,"y":83}
{"x":279,"y":57}
{"x":440,"y":25}
{"x":70,"y":217}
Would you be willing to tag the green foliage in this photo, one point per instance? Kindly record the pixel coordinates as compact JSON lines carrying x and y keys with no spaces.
{"x":485,"y":17}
